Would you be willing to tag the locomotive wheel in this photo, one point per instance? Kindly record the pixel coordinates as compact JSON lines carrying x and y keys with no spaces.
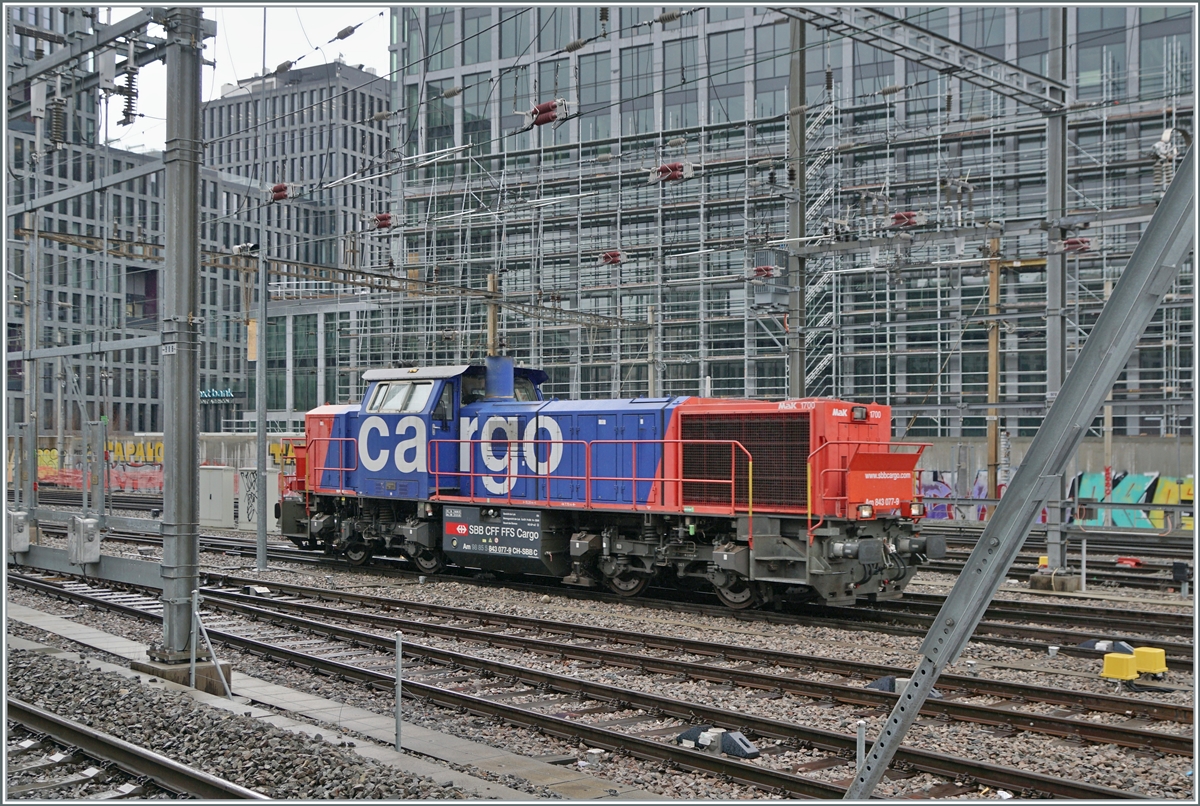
{"x":429,"y":561}
{"x":627,"y":584}
{"x":358,"y":553}
{"x":739,"y":596}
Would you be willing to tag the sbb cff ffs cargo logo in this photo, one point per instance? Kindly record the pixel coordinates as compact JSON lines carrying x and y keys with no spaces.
{"x":456,"y":529}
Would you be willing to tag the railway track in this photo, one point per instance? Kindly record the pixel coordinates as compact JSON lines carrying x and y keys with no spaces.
{"x":49,"y":496}
{"x":1154,"y":577}
{"x":1100,"y":618}
{"x":899,"y":618}
{"x":620,"y":717}
{"x":65,"y":759}
{"x":1178,"y":544}
{"x":1145,"y":543}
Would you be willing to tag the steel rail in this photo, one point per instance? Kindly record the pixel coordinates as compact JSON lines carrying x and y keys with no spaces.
{"x":1099,"y":567}
{"x":1124,"y":579}
{"x":917,"y":759}
{"x":775,"y":781}
{"x":1104,"y":618}
{"x":1134,"y":540}
{"x":874,"y":624}
{"x":925,"y":761}
{"x":970,"y":684}
{"x":1179,"y":656}
{"x":982,"y":714}
{"x":996,"y":629}
{"x":934,"y":763}
{"x":165,"y":772}
{"x":891,"y":621}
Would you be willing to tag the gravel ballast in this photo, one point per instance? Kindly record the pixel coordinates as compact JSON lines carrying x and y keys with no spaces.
{"x":1102,"y":764}
{"x":237,"y":748}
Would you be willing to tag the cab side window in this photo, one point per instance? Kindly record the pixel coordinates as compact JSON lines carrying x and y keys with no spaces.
{"x":473,"y":389}
{"x":420,"y":396}
{"x":444,"y":410}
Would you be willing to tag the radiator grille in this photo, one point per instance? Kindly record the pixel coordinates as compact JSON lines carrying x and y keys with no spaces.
{"x":777,"y":442}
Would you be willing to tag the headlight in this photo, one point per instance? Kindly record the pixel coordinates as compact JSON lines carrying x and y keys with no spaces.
{"x":866,"y":512}
{"x":914,"y":509}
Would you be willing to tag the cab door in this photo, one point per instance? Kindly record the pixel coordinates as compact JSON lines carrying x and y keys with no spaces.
{"x":443,"y":434}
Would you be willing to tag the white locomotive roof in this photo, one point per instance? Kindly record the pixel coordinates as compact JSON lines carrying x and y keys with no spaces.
{"x":415,"y":373}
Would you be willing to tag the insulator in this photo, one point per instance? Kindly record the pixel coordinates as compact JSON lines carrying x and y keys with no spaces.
{"x":58,"y":120}
{"x":668,"y":16}
{"x":603,"y":14}
{"x":791,"y":173}
{"x":283,"y":67}
{"x":279,"y":192}
{"x":977,"y":118}
{"x":345,"y":32}
{"x":604,"y":157}
{"x":798,"y":110}
{"x":892,"y":90}
{"x":949,"y":101}
{"x":771,"y":178}
{"x":578,"y":44}
{"x":130,"y":96}
{"x":829,"y":79}
{"x":545,"y":106}
{"x":453,"y":91}
{"x":381,"y":116}
{"x":677,"y":141}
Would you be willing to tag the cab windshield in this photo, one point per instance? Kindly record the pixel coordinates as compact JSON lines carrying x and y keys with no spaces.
{"x":400,"y":396}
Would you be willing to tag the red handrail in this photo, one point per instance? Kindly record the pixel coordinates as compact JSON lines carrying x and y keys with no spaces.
{"x":342,"y":471}
{"x":295,"y":482}
{"x":657,"y":481}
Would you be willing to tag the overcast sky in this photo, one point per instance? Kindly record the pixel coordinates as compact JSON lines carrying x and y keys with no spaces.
{"x":238,"y":51}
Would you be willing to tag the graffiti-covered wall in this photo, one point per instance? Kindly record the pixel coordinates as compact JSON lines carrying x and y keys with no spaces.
{"x":135,"y":465}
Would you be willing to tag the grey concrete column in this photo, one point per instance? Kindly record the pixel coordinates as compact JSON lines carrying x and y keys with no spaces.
{"x":290,"y":371}
{"x":1056,"y":274}
{"x":796,"y":212}
{"x":180,"y":326}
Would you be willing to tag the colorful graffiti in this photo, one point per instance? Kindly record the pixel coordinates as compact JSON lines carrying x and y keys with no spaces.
{"x":1136,"y":488}
{"x":133,"y":467}
{"x":283,"y":454}
{"x":932,"y":486}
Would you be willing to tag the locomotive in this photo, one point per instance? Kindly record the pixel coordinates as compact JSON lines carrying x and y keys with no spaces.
{"x":470,"y":465}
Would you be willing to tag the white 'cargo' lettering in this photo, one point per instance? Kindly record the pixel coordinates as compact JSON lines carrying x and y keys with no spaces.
{"x":416,"y":444}
{"x":505,"y":462}
{"x":556,"y":449}
{"x":374,"y":464}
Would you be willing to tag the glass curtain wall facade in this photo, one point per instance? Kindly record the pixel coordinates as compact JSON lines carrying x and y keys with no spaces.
{"x":661,"y":190}
{"x":322,"y":131}
{"x":88,"y":267}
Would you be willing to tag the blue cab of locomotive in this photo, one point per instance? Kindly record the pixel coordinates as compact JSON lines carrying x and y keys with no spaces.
{"x":486,"y":433}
